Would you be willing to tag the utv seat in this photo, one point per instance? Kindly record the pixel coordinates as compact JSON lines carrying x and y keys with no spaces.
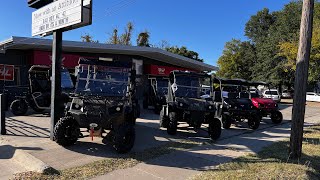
{"x":218,"y":103}
{"x":244,"y":95}
{"x":217,"y":96}
{"x":233,"y":95}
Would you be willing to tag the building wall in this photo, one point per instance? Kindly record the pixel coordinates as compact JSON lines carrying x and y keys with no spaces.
{"x":24,"y":59}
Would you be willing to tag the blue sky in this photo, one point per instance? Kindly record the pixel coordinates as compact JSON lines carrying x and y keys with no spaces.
{"x":203,"y":26}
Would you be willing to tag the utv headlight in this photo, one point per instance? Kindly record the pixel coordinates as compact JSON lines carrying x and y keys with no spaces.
{"x":76,"y":107}
{"x":118,"y":109}
{"x":181,"y":105}
{"x":82,"y":109}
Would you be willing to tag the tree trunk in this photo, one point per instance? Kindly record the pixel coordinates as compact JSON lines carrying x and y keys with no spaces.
{"x":301,"y":77}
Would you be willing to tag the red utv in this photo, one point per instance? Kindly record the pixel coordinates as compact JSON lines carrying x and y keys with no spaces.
{"x":266,"y":106}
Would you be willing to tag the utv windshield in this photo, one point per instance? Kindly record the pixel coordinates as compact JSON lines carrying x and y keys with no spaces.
{"x":188,"y":86}
{"x":102,"y":80}
{"x":162,"y":86}
{"x":66,"y":81}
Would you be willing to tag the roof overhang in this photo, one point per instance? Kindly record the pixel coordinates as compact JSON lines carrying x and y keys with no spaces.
{"x":23,"y":43}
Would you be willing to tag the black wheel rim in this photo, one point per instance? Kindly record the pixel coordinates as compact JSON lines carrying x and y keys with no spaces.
{"x":127,"y":138}
{"x":71,"y":131}
{"x":20,"y":108}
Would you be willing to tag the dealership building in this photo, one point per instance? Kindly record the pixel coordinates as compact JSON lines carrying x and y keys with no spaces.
{"x":18,"y":54}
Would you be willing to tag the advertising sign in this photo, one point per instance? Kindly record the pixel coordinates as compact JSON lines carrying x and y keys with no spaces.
{"x":163,"y":70}
{"x":6,"y":72}
{"x":45,"y":58}
{"x":61,"y":14}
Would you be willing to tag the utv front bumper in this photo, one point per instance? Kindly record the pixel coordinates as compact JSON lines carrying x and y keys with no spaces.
{"x":241,"y":113}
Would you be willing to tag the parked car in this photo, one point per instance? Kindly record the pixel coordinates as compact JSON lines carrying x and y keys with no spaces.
{"x":286,"y":94}
{"x":273,"y":94}
{"x":312,"y":96}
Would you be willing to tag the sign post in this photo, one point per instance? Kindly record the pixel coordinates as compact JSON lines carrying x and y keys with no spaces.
{"x":56,"y":80}
{"x":3,"y":130}
{"x":55,"y":18}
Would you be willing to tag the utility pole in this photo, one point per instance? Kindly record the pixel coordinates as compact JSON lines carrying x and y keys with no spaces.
{"x":301,"y":77}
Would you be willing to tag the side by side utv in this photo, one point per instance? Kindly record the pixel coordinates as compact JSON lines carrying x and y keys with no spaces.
{"x":156,"y":95}
{"x":38,"y":94}
{"x":236,"y":103}
{"x":184,"y":104}
{"x":104,"y":99}
{"x":266,"y":106}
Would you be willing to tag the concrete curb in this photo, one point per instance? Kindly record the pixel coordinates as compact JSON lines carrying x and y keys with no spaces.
{"x":23,"y":159}
{"x":30,"y":162}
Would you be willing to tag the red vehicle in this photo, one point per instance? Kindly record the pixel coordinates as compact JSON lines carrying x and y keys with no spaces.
{"x":266,"y":106}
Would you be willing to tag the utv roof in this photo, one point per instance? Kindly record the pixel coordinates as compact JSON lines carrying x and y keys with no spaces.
{"x":188,"y":73}
{"x":104,"y":63}
{"x":257,"y":83}
{"x":223,"y":81}
{"x":41,"y":68}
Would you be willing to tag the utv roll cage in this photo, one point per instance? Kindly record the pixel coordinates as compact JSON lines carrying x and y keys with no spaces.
{"x":174,"y":74}
{"x":185,"y":103}
{"x":237,"y":105}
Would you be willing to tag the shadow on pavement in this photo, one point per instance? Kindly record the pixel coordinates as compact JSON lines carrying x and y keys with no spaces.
{"x":205,"y":156}
{"x":7,"y":151}
{"x":17,"y":127}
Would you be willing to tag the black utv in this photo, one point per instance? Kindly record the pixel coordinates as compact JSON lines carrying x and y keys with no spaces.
{"x":156,"y":95}
{"x":186,"y":102}
{"x":38,"y":94}
{"x":104,"y":99}
{"x":236,"y":103}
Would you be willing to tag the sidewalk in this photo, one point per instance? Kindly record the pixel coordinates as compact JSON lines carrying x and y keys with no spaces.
{"x":30,"y":134}
{"x":185,"y":164}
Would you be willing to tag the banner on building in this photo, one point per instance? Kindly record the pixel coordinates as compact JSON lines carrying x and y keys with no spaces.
{"x":6,"y":72}
{"x":163,"y":70}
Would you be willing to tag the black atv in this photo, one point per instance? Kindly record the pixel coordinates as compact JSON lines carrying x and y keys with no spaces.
{"x":185,"y":104}
{"x":104,"y":99}
{"x":236,"y":103}
{"x":38,"y":94}
{"x":156,"y":95}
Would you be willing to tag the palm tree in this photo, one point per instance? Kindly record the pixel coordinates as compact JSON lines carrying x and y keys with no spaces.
{"x":143,"y":39}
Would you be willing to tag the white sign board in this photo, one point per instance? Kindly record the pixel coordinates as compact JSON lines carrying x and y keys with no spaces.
{"x":57,"y":15}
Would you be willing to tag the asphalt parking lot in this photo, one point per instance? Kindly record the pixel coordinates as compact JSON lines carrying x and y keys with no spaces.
{"x":31,"y":134}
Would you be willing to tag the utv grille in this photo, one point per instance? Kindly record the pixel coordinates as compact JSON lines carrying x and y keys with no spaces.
{"x":115,"y":110}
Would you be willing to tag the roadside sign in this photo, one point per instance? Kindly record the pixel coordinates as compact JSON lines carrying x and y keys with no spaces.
{"x":61,"y":14}
{"x":6,"y":72}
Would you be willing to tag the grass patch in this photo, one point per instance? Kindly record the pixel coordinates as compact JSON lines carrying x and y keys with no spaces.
{"x":109,"y":164}
{"x":273,"y":162}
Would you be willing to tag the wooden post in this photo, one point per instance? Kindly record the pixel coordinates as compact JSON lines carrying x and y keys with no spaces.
{"x":301,"y":77}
